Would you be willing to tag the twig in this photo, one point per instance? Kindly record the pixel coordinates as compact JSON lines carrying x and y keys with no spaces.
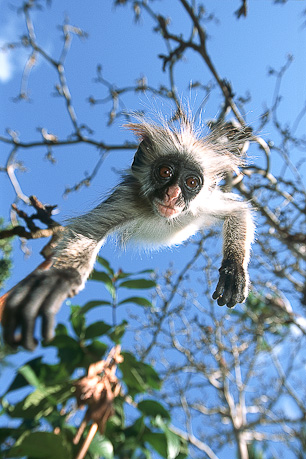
{"x":92,"y":432}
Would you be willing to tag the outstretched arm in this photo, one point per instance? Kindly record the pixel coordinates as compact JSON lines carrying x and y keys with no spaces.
{"x":43,"y":291}
{"x":238,"y":234}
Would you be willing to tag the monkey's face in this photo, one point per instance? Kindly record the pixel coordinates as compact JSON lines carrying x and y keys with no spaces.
{"x":174,"y":183}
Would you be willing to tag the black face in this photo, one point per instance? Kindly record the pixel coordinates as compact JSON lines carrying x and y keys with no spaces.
{"x":171,"y":171}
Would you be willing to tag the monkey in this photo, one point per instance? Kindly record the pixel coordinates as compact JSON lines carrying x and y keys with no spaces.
{"x":171,"y":191}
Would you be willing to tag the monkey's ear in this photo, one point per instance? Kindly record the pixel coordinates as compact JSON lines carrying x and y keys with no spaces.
{"x":138,"y":158}
{"x":144,"y":134}
{"x":141,"y":130}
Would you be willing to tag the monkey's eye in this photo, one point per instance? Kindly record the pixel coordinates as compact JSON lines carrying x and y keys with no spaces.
{"x":165,"y":172}
{"x":192,"y":183}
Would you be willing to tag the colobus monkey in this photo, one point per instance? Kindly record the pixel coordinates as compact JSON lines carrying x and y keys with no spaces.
{"x":169,"y":193}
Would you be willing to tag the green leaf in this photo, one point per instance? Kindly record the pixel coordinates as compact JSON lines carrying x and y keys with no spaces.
{"x":106,"y":265}
{"x":107,"y":281}
{"x":27,"y":372}
{"x":77,"y":320}
{"x":145,"y":271}
{"x":173,"y":440}
{"x":158,"y":441}
{"x":138,"y":376}
{"x":47,"y":374}
{"x":137,"y":300}
{"x":96,"y":329}
{"x":118,"y":332}
{"x":39,"y":445}
{"x":100,"y":276}
{"x":138,"y":284}
{"x":137,"y":429}
{"x":9,"y":432}
{"x":93,"y":304}
{"x":123,"y":275}
{"x":61,"y":329}
{"x":41,"y":402}
{"x":20,"y":381}
{"x":69,"y":351}
{"x":97,"y":349}
{"x":101,"y":447}
{"x":153,"y":408}
{"x":65,"y":342}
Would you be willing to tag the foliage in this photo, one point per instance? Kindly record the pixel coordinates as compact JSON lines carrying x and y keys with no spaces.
{"x":5,"y":259}
{"x":47,"y":416}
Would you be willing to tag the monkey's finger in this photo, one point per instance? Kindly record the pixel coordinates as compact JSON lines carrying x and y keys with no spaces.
{"x":9,"y":331}
{"x":30,"y":308}
{"x":27,"y":340}
{"x":68,"y":282}
{"x":48,"y":323}
{"x":229,"y":289}
{"x":220,"y":288}
{"x":28,"y":318}
{"x":12,"y":316}
{"x":237,"y":296}
{"x":238,"y":288}
{"x":50,"y":308}
{"x":9,"y":321}
{"x":18,"y":295}
{"x":228,"y":286}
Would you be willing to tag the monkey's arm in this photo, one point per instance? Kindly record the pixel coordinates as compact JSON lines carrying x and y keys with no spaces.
{"x":238,"y":234}
{"x":43,"y":291}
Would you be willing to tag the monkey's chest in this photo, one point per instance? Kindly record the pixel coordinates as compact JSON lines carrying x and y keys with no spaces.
{"x":154,"y":232}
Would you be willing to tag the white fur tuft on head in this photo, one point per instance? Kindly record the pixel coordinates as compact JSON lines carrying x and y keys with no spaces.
{"x":215,"y":152}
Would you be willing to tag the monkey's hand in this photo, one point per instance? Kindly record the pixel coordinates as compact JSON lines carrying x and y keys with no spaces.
{"x":39,"y":294}
{"x":232,"y":287}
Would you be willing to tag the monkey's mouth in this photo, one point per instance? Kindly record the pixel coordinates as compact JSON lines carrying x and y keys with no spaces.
{"x":167,"y":211}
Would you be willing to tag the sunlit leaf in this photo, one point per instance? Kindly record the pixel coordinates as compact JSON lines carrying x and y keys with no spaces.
{"x":138,"y":376}
{"x":77,"y":320}
{"x":140,"y":301}
{"x":27,"y":372}
{"x":158,"y":441}
{"x":107,"y":281}
{"x":94,"y":304}
{"x":123,"y":275}
{"x":102,"y":447}
{"x":138,"y":284}
{"x":20,"y":380}
{"x":102,"y":261}
{"x":41,"y":402}
{"x":173,"y":440}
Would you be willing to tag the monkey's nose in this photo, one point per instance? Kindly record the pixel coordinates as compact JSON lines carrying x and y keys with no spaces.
{"x":172,"y":193}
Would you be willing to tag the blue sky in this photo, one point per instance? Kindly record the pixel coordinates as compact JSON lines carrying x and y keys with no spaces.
{"x":242,"y":52}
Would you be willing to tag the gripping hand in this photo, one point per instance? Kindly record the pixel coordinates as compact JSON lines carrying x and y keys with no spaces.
{"x":232,"y":287}
{"x":39,"y":294}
